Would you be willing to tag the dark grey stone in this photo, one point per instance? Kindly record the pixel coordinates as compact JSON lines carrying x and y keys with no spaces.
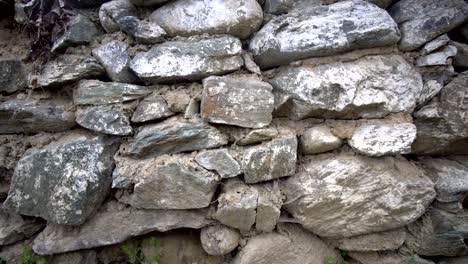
{"x":13,"y":76}
{"x":80,"y":30}
{"x":107,"y":119}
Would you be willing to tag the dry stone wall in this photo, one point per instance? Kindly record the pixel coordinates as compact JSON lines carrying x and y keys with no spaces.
{"x":237,"y":131}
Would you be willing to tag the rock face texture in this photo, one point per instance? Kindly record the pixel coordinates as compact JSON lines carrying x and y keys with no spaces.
{"x":12,"y":76}
{"x":93,"y":92}
{"x":220,"y":161}
{"x":107,"y":119}
{"x":319,"y":139}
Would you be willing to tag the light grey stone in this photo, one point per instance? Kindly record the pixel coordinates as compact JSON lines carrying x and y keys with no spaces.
{"x":435,"y":44}
{"x":148,"y":2}
{"x":220,"y":161}
{"x":380,"y":241}
{"x":319,"y":31}
{"x":430,"y":89}
{"x":318,"y":139}
{"x":383,"y":139}
{"x":13,"y":76}
{"x":80,"y":30}
{"x":145,"y":32}
{"x":250,"y":64}
{"x":268,"y":206}
{"x":150,"y":108}
{"x":189,"y":59}
{"x":270,"y":160}
{"x":33,"y":116}
{"x":100,"y":230}
{"x":64,"y":182}
{"x":112,"y":11}
{"x":342,"y":195}
{"x":14,"y":227}
{"x":243,"y":101}
{"x":107,"y":119}
{"x":167,"y":182}
{"x":79,"y":257}
{"x":219,"y":240}
{"x":461,"y":58}
{"x":438,"y":58}
{"x":422,"y":21}
{"x":286,"y":6}
{"x":257,"y":136}
{"x":115,"y":59}
{"x":290,"y":244}
{"x":173,"y":135}
{"x":94,"y":92}
{"x":370,"y":87}
{"x":119,"y":181}
{"x":239,"y":18}
{"x":67,"y":69}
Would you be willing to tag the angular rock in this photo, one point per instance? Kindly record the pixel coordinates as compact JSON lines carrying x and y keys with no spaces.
{"x":435,"y":44}
{"x":178,"y":100}
{"x":250,"y":64}
{"x":147,"y":2}
{"x":383,"y":139}
{"x":257,"y":136}
{"x":381,"y":241}
{"x":430,"y":89}
{"x":64,"y":182}
{"x":145,"y":32}
{"x":318,"y":139}
{"x":13,"y":76}
{"x":370,"y":87}
{"x":237,"y":205}
{"x":319,"y":31}
{"x":219,"y":240}
{"x":107,"y":119}
{"x":150,"y":108}
{"x":80,"y":30}
{"x":220,"y":161}
{"x":270,"y":160}
{"x":343,"y":195}
{"x":290,"y":244}
{"x":100,"y":230}
{"x":268,"y":206}
{"x":167,"y":182}
{"x":286,"y":6}
{"x":173,"y":135}
{"x":14,"y":227}
{"x":33,"y":116}
{"x":115,"y":59}
{"x":188,"y":60}
{"x":422,"y":21}
{"x":438,"y":58}
{"x":94,"y":92}
{"x":67,"y":69}
{"x":112,"y":11}
{"x":245,"y":102}
{"x":192,"y":17}
{"x":119,"y":181}
{"x":461,"y":58}
{"x":442,"y":127}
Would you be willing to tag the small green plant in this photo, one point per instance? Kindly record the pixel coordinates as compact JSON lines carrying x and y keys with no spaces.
{"x":134,"y":252}
{"x":329,"y":260}
{"x":2,"y":261}
{"x":27,"y":257}
{"x":410,"y":260}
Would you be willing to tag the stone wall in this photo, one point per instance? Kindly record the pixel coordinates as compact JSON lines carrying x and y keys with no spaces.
{"x":237,"y":131}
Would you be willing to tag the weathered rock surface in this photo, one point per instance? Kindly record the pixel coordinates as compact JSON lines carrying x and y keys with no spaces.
{"x":239,"y":18}
{"x":80,"y":30}
{"x":100,"y":230}
{"x":67,"y":69}
{"x":147,"y":2}
{"x":287,"y":6}
{"x":220,"y":161}
{"x":146,"y":32}
{"x":381,"y":241}
{"x":173,"y":135}
{"x":112,"y":11}
{"x":442,"y":127}
{"x":268,"y":206}
{"x":461,"y":58}
{"x":115,"y":59}
{"x":107,"y":119}
{"x":383,"y":139}
{"x":440,"y":57}
{"x":270,"y":160}
{"x":244,"y":101}
{"x":93,"y":92}
{"x":387,"y":257}
{"x":86,"y":3}
{"x":370,"y":87}
{"x":290,"y":244}
{"x":14,"y":227}
{"x":257,"y":136}
{"x":64,"y":182}
{"x":150,"y":108}
{"x":318,"y":139}
{"x":322,"y":31}
{"x":422,"y":21}
{"x":343,"y":195}
{"x":219,"y":240}
{"x":167,"y":182}
{"x":12,"y":76}
{"x":188,"y":60}
{"x":33,"y":116}
{"x":435,"y":44}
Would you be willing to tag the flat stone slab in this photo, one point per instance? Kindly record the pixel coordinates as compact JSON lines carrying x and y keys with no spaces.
{"x":220,"y":161}
{"x":94,"y":92}
{"x":107,"y":119}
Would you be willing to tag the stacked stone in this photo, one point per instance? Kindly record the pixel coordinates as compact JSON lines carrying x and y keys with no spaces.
{"x":277,"y":131}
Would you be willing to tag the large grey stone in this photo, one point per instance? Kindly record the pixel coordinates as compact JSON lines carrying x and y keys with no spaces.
{"x":14,"y":227}
{"x":318,"y":139}
{"x":107,"y":119}
{"x":380,"y":241}
{"x":270,"y":160}
{"x":112,"y":225}
{"x":111,"y":12}
{"x":80,"y":30}
{"x":94,"y":92}
{"x":67,"y":69}
{"x":290,"y":244}
{"x":173,"y":135}
{"x":244,"y":101}
{"x":146,"y":32}
{"x":370,"y":87}
{"x":239,"y":18}
{"x":343,"y":195}
{"x":12,"y":76}
{"x":167,"y":182}
{"x":442,"y":127}
{"x":33,"y":116}
{"x":383,"y":139}
{"x":64,"y":182}
{"x":322,"y":31}
{"x":287,"y":6}
{"x":150,"y":108}
{"x":220,"y":161}
{"x":435,"y":44}
{"x":219,"y":240}
{"x":440,"y":57}
{"x":189,"y":59}
{"x":115,"y":59}
{"x":258,"y":135}
{"x":422,"y":21}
